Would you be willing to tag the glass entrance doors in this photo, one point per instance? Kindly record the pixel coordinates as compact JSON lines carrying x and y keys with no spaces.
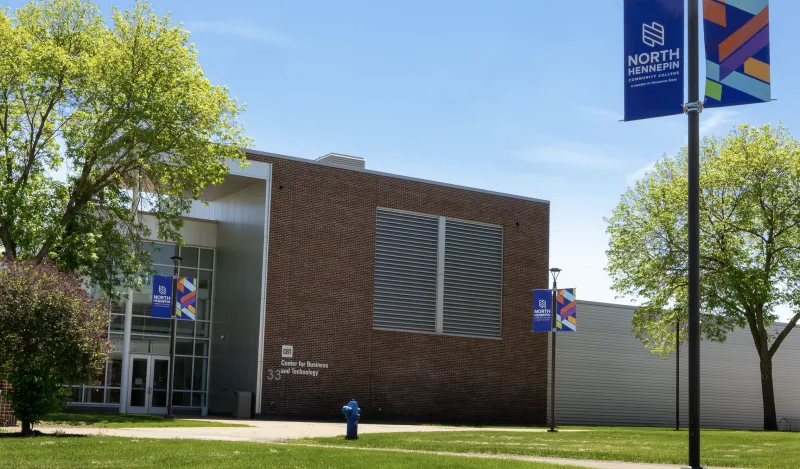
{"x":148,"y":384}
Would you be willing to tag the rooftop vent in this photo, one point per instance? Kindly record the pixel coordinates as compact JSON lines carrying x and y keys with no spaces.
{"x":346,"y":161}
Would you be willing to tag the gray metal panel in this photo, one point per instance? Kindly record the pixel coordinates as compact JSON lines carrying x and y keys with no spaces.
{"x":473,"y":279}
{"x":237,"y":295}
{"x":406,"y":253}
{"x":605,"y":376}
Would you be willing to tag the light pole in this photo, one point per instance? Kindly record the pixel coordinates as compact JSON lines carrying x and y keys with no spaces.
{"x":693,"y":108}
{"x":176,"y":262}
{"x":677,"y":374}
{"x":554,"y":273}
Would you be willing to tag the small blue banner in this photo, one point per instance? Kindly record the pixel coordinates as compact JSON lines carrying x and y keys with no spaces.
{"x":162,"y":296}
{"x":542,"y":310}
{"x":653,"y":58}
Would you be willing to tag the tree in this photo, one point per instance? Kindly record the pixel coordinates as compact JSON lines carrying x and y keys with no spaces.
{"x":108,"y":108}
{"x":750,"y":245}
{"x":51,"y":332}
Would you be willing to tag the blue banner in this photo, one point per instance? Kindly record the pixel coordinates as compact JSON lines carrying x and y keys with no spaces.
{"x":542,"y":310}
{"x":162,"y":296}
{"x":653,"y":58}
{"x":737,"y":52}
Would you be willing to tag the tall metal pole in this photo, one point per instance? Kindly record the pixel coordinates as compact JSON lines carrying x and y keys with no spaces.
{"x":553,"y":358}
{"x":176,"y":260}
{"x":693,"y":110}
{"x":128,"y":320}
{"x":677,"y":374}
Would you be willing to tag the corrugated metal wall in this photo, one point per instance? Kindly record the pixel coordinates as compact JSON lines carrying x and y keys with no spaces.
{"x":605,"y":376}
{"x":238,"y":277}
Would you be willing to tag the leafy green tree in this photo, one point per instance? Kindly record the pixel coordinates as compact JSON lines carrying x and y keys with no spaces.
{"x":108,"y":105}
{"x":51,"y":332}
{"x":750,"y":245}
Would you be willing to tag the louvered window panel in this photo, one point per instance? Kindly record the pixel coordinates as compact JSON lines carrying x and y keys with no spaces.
{"x":405,"y":271}
{"x":473,"y":279}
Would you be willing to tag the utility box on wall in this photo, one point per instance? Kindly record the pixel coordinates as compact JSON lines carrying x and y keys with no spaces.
{"x":242,"y":405}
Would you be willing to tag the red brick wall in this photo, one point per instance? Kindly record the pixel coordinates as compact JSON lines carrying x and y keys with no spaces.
{"x":6,"y":413}
{"x":320,"y":296}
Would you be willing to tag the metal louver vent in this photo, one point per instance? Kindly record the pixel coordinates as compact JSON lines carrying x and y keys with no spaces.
{"x":473,"y":278}
{"x":405,"y":271}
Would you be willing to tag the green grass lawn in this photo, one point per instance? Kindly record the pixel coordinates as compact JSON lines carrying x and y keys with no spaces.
{"x":107,"y":452}
{"x":719,"y":448}
{"x":114,"y":420}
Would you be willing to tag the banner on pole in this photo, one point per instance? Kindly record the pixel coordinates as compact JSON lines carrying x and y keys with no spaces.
{"x":186,"y":306}
{"x":737,"y":52}
{"x":162,"y":296}
{"x":653,"y":58}
{"x":542,"y":310}
{"x":566,"y":310}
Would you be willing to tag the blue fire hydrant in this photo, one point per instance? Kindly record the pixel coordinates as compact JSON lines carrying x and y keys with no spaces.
{"x":352,"y":413}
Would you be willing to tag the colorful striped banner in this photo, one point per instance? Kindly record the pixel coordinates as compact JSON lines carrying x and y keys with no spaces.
{"x":737,"y":52}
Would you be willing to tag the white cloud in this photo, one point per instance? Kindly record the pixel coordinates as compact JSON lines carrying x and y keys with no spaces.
{"x":568,"y":153}
{"x":712,"y":119}
{"x":601,"y":113}
{"x":641,"y":172}
{"x":238,"y":27}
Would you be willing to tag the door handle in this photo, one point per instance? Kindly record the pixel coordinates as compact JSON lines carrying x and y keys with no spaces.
{"x":150,"y":390}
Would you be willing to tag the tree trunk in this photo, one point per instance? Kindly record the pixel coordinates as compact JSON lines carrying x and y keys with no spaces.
{"x":768,"y":395}
{"x":27,"y":428}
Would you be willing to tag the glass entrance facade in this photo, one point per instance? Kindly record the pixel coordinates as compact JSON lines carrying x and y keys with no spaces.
{"x":150,"y":336}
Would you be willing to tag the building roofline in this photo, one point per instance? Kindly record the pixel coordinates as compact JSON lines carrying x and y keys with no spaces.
{"x":396,"y":176}
{"x":634,"y":308}
{"x":609,"y":305}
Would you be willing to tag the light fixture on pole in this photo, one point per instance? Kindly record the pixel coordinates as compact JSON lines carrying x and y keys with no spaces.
{"x":554,"y":272}
{"x":176,"y":263}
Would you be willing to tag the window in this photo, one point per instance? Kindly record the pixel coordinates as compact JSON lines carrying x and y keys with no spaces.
{"x":151,"y":335}
{"x":439,"y":275}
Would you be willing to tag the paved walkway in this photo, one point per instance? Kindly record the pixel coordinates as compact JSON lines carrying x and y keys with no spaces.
{"x":572,"y":462}
{"x":280,"y":432}
{"x":265,"y":431}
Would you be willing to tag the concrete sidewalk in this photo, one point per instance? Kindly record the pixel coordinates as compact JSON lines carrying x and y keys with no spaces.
{"x":571,"y":462}
{"x":264,"y":431}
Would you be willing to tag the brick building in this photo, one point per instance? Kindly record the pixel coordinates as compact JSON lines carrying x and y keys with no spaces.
{"x":321,"y":281}
{"x":7,"y":418}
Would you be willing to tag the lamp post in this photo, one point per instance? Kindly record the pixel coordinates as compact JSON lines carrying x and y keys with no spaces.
{"x":176,"y":263}
{"x":694,"y":106}
{"x":677,"y":374}
{"x":554,"y":273}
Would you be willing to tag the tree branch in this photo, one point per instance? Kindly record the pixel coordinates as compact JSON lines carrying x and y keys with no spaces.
{"x":785,"y":332}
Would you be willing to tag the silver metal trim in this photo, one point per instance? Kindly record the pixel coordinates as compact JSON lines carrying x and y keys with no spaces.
{"x":262,"y":319}
{"x":440,"y":275}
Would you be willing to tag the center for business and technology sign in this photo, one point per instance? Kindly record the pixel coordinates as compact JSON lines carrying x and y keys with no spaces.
{"x":653,"y":58}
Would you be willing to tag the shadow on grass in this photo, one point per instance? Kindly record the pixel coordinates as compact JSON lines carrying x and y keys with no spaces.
{"x":37,"y":433}
{"x":80,"y":418}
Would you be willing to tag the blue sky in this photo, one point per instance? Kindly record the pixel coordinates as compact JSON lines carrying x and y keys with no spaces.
{"x":517,"y":96}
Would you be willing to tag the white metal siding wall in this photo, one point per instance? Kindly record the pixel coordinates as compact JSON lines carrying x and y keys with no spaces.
{"x":237,"y":300}
{"x":605,"y":376}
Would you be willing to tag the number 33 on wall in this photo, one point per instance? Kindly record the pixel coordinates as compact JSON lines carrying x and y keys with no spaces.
{"x":274,"y":375}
